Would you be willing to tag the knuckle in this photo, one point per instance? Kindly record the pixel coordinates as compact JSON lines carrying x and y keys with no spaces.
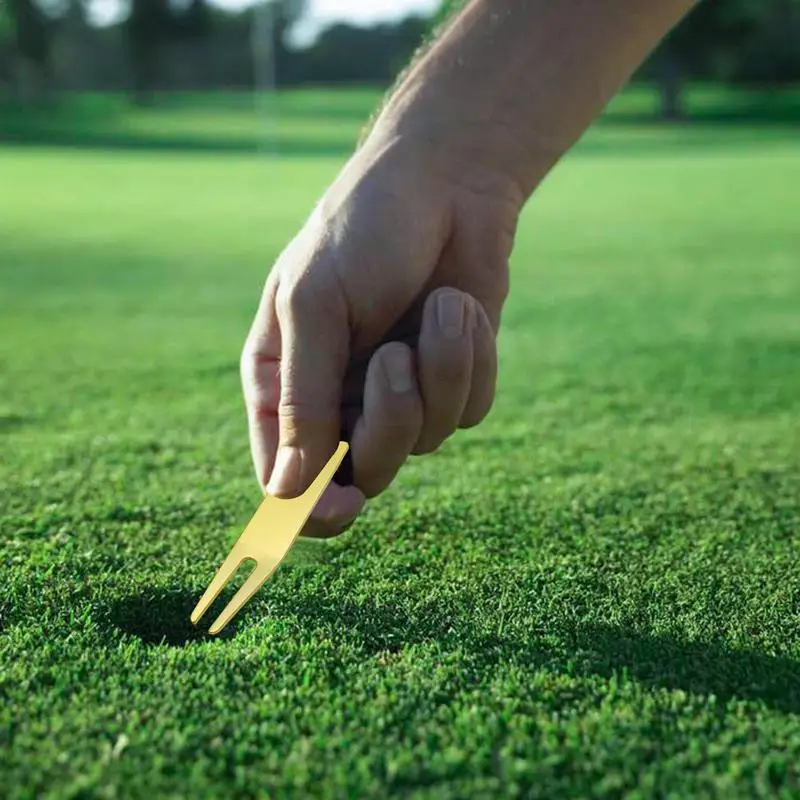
{"x":451,"y":369}
{"x":259,"y":388}
{"x":292,"y":408}
{"x":304,"y":422}
{"x":396,"y":432}
{"x":296,"y":298}
{"x":260,"y":410}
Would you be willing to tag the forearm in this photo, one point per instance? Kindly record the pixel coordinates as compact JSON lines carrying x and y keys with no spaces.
{"x":515,"y":83}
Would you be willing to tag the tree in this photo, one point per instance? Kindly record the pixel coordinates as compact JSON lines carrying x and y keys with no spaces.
{"x":194,"y":22}
{"x":148,"y":28}
{"x":6,"y":37}
{"x":6,"y":24}
{"x":445,"y":11}
{"x":699,"y":47}
{"x":772,"y":55}
{"x":745,"y":41}
{"x":33,"y":39}
{"x":352,"y":54}
{"x":285,"y":14}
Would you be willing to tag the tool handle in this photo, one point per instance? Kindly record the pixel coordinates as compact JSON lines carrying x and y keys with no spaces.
{"x":344,"y":475}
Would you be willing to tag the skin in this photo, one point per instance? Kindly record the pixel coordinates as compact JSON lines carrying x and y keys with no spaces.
{"x":382,"y":313}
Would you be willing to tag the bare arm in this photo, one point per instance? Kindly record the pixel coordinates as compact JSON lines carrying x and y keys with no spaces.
{"x":384,"y":310}
{"x":516,"y":82}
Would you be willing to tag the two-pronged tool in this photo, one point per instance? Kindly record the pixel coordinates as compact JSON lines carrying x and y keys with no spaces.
{"x":266,"y":540}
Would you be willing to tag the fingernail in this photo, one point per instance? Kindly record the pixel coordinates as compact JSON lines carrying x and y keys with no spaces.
{"x":286,"y":473}
{"x":450,"y":314}
{"x":397,"y":365}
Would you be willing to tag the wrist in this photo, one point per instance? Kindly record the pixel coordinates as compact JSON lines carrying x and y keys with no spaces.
{"x":439,"y":122}
{"x":469,"y":97}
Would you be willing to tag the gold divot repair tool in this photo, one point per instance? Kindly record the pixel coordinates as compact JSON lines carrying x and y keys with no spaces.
{"x":266,"y":540}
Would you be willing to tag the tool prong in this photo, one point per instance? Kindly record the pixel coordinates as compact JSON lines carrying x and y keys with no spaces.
{"x":224,"y":574}
{"x":286,"y":518}
{"x":253,"y":583}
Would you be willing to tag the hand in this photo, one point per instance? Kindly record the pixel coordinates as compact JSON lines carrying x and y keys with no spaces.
{"x":423,"y":217}
{"x":380,"y":315}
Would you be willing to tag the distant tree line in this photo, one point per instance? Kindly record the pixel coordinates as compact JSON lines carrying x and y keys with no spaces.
{"x":161,"y":45}
{"x":164,"y":45}
{"x":753,"y":43}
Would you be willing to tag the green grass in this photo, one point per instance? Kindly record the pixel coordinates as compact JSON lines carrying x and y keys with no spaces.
{"x":595,"y":593}
{"x":287,"y":123}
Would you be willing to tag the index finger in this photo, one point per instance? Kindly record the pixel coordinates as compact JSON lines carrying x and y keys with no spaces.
{"x":260,"y":375}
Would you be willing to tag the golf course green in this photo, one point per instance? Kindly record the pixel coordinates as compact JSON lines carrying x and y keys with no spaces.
{"x":596,"y":592}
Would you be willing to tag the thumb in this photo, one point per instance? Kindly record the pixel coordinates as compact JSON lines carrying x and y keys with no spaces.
{"x":314,"y":354}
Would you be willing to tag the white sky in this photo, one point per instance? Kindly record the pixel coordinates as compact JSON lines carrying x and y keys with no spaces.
{"x":320,"y":13}
{"x":323,"y":12}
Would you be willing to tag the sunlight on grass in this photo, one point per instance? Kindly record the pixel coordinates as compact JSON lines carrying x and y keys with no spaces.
{"x":596,"y":591}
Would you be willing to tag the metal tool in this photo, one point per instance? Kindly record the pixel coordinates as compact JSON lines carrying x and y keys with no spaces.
{"x":266,"y":540}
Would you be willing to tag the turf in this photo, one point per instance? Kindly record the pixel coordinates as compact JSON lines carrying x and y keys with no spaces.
{"x":595,"y":593}
{"x":288,"y":123}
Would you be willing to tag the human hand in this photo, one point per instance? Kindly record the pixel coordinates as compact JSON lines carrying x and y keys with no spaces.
{"x":426,"y":211}
{"x":381,"y":317}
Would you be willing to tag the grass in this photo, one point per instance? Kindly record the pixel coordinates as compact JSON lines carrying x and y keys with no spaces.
{"x":595,"y":593}
{"x":286,"y":123}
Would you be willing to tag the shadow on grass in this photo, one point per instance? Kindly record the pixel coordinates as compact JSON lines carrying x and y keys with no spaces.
{"x":161,"y":617}
{"x":655,"y":661}
{"x":667,"y":662}
{"x":12,"y":422}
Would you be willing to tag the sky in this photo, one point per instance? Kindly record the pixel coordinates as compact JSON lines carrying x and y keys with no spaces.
{"x":320,"y":13}
{"x":323,"y":12}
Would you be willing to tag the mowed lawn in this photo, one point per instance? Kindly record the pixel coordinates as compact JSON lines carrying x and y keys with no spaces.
{"x":594,"y":593}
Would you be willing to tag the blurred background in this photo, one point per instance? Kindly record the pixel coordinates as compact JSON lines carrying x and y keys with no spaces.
{"x":88,"y":70}
{"x":576,"y":597}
